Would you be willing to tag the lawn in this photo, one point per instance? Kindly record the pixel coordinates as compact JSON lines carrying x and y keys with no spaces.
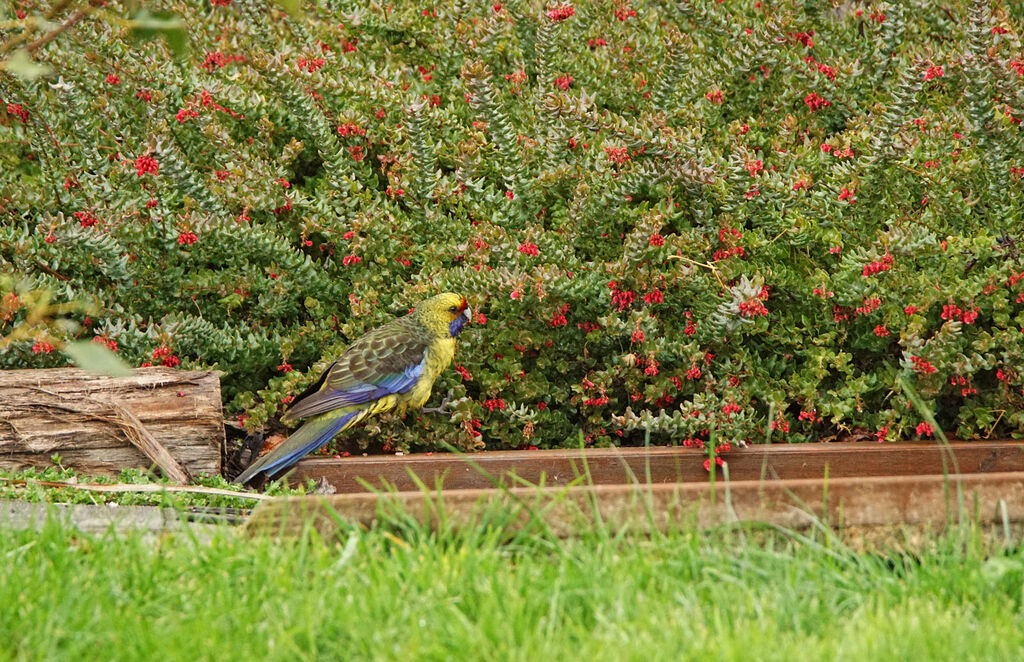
{"x":399,"y":593}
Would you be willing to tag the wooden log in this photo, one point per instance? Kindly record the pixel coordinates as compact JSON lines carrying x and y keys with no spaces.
{"x":101,"y":425}
{"x":878,"y":501}
{"x":606,"y":466}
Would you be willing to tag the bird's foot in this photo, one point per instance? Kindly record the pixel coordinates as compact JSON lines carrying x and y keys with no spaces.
{"x":442,"y":408}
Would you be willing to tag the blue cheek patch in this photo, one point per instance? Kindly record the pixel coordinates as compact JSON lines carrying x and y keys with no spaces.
{"x":456,"y":326}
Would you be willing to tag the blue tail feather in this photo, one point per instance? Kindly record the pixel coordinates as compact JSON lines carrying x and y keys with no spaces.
{"x":310,"y":437}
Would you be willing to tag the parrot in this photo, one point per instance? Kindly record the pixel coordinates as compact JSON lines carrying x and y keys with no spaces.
{"x":392,"y":367}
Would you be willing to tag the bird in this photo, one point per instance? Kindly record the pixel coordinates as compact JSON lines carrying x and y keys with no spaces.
{"x":392,"y":367}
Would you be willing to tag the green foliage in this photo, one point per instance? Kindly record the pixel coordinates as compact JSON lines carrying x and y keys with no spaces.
{"x":670,"y":216}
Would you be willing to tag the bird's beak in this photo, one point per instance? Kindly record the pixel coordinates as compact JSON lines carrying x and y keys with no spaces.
{"x":468,"y":314}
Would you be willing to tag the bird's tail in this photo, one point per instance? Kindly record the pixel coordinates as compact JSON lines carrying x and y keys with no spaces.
{"x":311,"y":436}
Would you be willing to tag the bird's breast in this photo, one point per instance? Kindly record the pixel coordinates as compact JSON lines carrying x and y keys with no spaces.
{"x":438,"y":356}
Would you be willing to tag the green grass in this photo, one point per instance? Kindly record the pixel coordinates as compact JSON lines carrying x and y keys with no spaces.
{"x":405,"y":593}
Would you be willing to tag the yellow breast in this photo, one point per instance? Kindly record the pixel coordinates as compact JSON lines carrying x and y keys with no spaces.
{"x":439,"y":355}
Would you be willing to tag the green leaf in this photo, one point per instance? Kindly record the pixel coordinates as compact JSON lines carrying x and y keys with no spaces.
{"x":292,"y":7}
{"x":146,"y":25}
{"x":94,"y":357}
{"x":22,"y":65}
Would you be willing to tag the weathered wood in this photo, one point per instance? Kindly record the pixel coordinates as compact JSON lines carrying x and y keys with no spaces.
{"x":885,"y":501}
{"x":605,"y":466}
{"x":97,"y":424}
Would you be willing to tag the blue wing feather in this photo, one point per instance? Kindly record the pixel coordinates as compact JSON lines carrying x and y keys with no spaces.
{"x":362,"y":393}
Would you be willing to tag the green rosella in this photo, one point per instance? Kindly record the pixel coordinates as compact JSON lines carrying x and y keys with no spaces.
{"x":392,"y":367}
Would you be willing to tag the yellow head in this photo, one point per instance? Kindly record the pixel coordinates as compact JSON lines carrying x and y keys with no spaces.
{"x":445,"y":314}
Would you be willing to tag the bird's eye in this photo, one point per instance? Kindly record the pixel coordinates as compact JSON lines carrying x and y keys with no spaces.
{"x":453,"y":309}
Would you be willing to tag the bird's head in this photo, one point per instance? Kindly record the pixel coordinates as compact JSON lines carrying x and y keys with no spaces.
{"x":445,"y":314}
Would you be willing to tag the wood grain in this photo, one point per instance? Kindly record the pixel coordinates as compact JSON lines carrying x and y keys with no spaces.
{"x":606,"y":466}
{"x":83,"y":417}
{"x":879,"y":501}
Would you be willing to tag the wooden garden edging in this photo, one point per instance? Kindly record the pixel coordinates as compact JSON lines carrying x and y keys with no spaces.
{"x":857,"y":486}
{"x":610,"y":466}
{"x":932,"y":500}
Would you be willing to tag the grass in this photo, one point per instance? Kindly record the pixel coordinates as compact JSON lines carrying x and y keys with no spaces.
{"x":400,"y":592}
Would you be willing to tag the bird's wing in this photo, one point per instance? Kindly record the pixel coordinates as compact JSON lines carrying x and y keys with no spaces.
{"x":385,"y":361}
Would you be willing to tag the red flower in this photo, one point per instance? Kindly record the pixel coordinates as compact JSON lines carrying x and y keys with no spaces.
{"x":113,"y":79}
{"x":351,"y":130}
{"x":563,"y":82}
{"x":42,"y":348}
{"x":351,"y":259}
{"x":816,"y":102}
{"x":285,"y":367}
{"x":529,"y":248}
{"x":217,"y":60}
{"x":561,"y":12}
{"x":922,"y":366}
{"x":494,"y":403}
{"x":167,"y":358}
{"x":311,"y":65}
{"x":623,"y":13}
{"x":86,"y":219}
{"x":753,"y":308}
{"x":715,"y":96}
{"x":623,"y":299}
{"x":186,"y":114}
{"x":924,"y":429}
{"x":618,"y":155}
{"x":19,"y":112}
{"x":878,"y":267}
{"x":934,"y":72}
{"x":146,"y":164}
{"x":187,"y":238}
{"x":558,"y":317}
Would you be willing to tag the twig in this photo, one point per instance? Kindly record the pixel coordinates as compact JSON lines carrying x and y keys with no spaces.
{"x":120,"y":488}
{"x":64,"y":27}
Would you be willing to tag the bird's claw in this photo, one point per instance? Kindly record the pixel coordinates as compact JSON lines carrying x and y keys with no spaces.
{"x":440,"y":409}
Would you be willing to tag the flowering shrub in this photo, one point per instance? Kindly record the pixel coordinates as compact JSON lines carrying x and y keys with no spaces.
{"x":720,"y":222}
